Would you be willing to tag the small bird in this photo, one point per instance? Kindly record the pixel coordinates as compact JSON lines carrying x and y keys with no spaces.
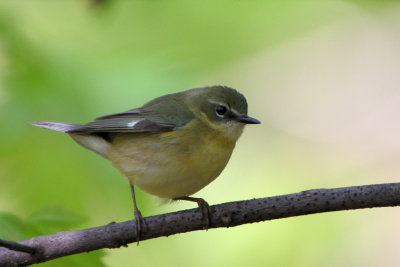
{"x":172,"y":146}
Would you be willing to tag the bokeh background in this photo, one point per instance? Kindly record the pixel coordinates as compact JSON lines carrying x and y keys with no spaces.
{"x":322,"y":76}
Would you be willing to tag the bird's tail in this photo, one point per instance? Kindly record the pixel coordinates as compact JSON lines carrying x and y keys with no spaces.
{"x":56,"y":126}
{"x":89,"y":141}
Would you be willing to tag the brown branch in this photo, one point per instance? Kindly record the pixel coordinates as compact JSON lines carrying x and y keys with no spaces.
{"x":230,"y":214}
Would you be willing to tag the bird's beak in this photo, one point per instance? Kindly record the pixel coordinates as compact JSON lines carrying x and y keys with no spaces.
{"x":246,"y":119}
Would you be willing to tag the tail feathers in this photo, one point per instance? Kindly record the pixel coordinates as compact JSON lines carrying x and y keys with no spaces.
{"x":56,"y":126}
{"x":92,"y":142}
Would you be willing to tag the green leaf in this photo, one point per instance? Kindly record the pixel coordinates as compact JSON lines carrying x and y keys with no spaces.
{"x":52,"y":220}
{"x":12,"y":227}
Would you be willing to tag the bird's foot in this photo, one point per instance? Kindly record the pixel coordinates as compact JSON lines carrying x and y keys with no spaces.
{"x":203,"y":206}
{"x":140,"y":225}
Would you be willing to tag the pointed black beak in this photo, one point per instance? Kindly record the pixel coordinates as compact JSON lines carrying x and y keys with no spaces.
{"x":248,"y":120}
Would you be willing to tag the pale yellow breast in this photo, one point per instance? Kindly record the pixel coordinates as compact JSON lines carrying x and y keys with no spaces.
{"x":171,"y":164}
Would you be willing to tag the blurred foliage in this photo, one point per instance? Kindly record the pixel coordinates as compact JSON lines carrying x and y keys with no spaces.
{"x":74,"y":60}
{"x":46,"y":222}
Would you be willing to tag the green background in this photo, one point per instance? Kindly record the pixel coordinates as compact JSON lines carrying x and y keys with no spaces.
{"x":322,"y":76}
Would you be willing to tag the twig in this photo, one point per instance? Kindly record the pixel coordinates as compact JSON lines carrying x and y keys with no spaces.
{"x":230,"y":214}
{"x":17,"y":246}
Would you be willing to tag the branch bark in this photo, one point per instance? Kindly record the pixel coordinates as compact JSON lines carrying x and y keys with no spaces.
{"x":230,"y":214}
{"x":17,"y":247}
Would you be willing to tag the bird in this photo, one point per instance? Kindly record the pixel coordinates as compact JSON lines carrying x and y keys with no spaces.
{"x":172,"y":146}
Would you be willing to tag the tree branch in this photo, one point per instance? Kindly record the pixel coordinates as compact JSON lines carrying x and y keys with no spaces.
{"x":230,"y":214}
{"x":17,"y":246}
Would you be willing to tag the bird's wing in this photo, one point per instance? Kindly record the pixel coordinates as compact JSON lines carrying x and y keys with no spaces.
{"x":132,"y":121}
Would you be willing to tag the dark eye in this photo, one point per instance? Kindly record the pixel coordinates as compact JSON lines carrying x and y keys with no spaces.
{"x":221,"y":110}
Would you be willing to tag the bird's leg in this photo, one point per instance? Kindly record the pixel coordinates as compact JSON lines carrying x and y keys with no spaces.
{"x":139,"y":222}
{"x":203,"y":205}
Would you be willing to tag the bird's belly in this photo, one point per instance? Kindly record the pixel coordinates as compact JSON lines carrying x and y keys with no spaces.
{"x":170,"y":167}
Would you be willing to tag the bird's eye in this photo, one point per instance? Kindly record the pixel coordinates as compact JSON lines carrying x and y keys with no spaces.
{"x":221,"y":111}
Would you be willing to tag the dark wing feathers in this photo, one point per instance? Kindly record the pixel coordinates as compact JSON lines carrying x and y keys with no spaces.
{"x":163,"y":114}
{"x":131,"y":121}
{"x":123,"y":125}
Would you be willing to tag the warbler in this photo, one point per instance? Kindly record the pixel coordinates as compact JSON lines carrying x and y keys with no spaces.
{"x":172,"y":146}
